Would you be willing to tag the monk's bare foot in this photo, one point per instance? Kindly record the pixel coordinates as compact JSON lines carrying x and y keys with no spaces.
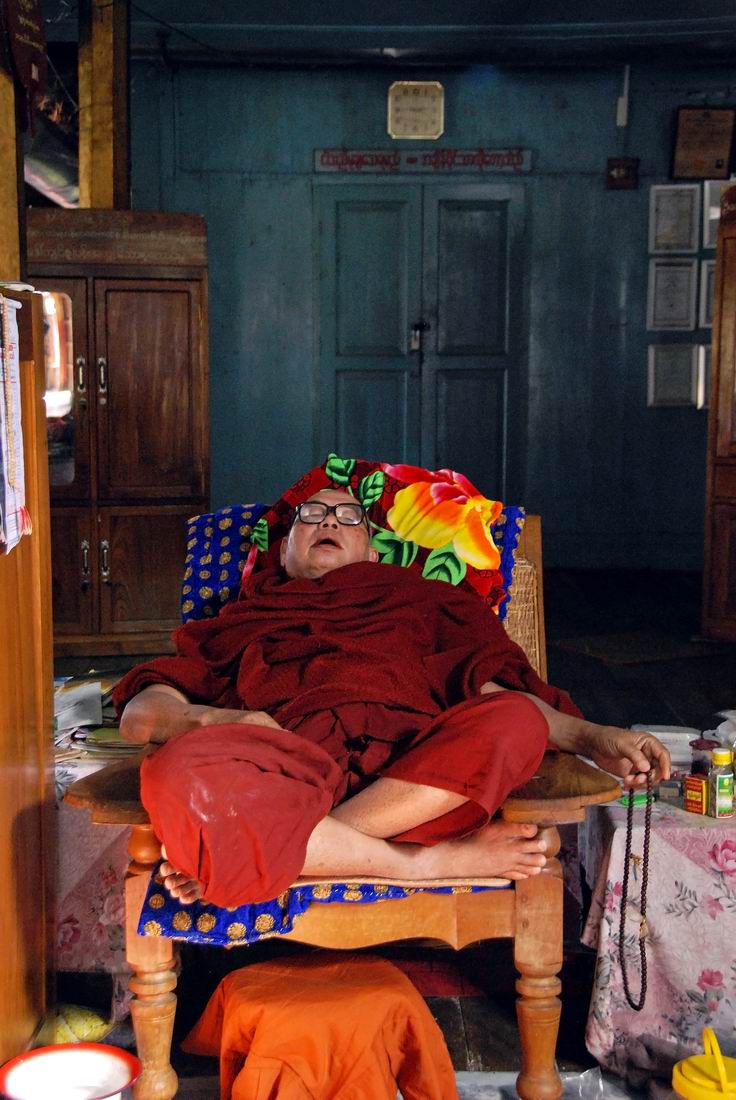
{"x":501,"y":849}
{"x":180,"y":886}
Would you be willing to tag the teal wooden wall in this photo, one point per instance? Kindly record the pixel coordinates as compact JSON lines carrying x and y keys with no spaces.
{"x":618,"y":484}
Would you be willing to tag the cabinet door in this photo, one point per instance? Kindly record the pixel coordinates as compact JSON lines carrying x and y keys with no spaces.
{"x":720,"y":594}
{"x":151,"y":389}
{"x":68,"y":410}
{"x":141,"y":562}
{"x":72,"y":569}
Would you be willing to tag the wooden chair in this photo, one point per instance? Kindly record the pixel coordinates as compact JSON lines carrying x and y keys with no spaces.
{"x":529,"y":912}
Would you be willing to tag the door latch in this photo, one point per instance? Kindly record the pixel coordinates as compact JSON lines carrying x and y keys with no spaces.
{"x":415,"y":340}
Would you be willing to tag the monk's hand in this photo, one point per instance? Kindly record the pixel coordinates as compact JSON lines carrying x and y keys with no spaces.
{"x":219,"y":716}
{"x":629,"y":754}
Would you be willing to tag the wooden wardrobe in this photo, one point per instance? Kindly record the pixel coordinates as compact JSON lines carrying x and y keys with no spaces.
{"x":719,"y":591}
{"x":27,"y":850}
{"x":129,"y":457}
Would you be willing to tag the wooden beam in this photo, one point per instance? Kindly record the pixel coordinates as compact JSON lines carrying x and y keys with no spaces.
{"x":10,"y":229}
{"x":104,"y":160}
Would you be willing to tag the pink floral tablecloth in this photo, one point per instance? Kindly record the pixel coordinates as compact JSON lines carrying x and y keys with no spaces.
{"x":90,"y":908}
{"x":691,"y":947}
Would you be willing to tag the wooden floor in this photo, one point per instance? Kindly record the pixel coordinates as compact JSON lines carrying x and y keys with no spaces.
{"x":626,"y":647}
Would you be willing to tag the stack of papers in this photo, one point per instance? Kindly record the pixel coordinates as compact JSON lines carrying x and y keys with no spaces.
{"x":84,"y":718}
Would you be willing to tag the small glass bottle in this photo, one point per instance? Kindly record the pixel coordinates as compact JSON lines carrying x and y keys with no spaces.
{"x":720,"y":784}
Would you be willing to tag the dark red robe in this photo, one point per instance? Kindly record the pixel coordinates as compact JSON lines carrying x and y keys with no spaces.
{"x":371,"y":670}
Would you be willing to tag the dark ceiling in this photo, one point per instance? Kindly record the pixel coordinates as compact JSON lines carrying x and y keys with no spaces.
{"x":387,"y":32}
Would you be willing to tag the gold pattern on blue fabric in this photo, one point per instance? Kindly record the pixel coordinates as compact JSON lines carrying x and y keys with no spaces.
{"x":186,"y":589}
{"x":282,"y":898}
{"x":187,"y":606}
{"x":208,"y":610}
{"x":380,"y":888}
{"x":322,"y":891}
{"x":224,"y":574}
{"x":156,"y":901}
{"x":187,"y":573}
{"x":236,"y":930}
{"x":223,"y":524}
{"x":225,"y":557}
{"x":224,"y":594}
{"x":461,"y":889}
{"x":225,"y":540}
{"x":181,"y":921}
{"x":204,"y":574}
{"x":264,"y":923}
{"x":158,"y":878}
{"x":352,"y":893}
{"x":206,"y":559}
{"x":206,"y":593}
{"x":209,"y":532}
{"x":189,"y":557}
{"x":245,"y":530}
{"x":152,"y":928}
{"x":206,"y":922}
{"x":191,"y":544}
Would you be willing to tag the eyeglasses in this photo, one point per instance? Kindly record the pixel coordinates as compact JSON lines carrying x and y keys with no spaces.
{"x":314,"y":511}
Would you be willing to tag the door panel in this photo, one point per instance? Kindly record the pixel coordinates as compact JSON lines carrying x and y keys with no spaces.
{"x":372,"y":412}
{"x":148,"y":401}
{"x":141,"y":561}
{"x":369,"y":241}
{"x":472,"y":262}
{"x":72,"y":566}
{"x":67,"y":356}
{"x":445,"y":256}
{"x":471,"y":406}
{"x":471,"y":355}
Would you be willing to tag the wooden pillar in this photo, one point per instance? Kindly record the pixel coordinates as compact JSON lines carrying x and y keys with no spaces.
{"x":10,"y":227}
{"x":104,"y":160}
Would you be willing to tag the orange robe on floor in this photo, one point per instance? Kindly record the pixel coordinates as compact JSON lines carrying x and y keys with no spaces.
{"x":329,"y":1025}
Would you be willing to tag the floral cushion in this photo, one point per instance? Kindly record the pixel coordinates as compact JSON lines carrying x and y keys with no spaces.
{"x":433,"y":521}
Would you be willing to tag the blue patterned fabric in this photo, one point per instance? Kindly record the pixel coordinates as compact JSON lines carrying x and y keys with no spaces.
{"x":202,"y":923}
{"x":217,"y":546}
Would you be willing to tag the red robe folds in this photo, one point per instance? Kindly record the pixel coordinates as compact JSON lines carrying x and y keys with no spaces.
{"x":371,"y":670}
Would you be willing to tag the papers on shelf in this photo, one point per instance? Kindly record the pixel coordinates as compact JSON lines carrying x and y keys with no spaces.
{"x":77,"y":705}
{"x":84,"y":719}
{"x":14,"y":518}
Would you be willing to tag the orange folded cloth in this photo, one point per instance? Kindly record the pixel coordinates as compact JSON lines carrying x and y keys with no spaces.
{"x":323,"y":1026}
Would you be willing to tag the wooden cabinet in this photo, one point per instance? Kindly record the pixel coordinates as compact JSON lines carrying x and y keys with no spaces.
{"x":719,"y":593}
{"x":127,"y":413}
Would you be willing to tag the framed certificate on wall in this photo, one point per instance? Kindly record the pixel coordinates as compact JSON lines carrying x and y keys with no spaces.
{"x":672,"y":293}
{"x":674,"y":217}
{"x":672,"y":380}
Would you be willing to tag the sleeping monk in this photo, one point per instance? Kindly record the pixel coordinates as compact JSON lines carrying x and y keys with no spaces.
{"x":347,"y":718}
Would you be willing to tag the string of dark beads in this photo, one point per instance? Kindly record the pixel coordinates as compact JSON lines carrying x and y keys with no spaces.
{"x":638,"y":1004}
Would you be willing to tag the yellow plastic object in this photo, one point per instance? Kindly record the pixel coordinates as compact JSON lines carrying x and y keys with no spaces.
{"x":73,"y":1024}
{"x":706,"y":1076}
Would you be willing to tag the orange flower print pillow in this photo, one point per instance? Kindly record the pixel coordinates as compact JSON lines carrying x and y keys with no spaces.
{"x":433,"y":521}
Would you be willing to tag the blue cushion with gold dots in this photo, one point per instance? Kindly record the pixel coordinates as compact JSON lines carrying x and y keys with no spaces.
{"x":217,"y":546}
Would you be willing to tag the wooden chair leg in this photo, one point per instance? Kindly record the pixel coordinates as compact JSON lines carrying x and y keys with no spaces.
{"x":152,"y":961}
{"x":538,"y":958}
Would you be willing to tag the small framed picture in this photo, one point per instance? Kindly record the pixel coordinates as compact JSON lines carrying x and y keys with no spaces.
{"x":672,"y":376}
{"x":674,"y":217}
{"x":703,"y":139}
{"x":671,"y":295}
{"x":712,"y":193}
{"x":704,"y":375}
{"x":707,"y":287}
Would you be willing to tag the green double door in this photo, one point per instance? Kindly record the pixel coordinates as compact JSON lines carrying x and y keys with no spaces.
{"x":420,"y":316}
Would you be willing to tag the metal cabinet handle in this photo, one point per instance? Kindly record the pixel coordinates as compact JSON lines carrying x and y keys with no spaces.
{"x":81,"y":364}
{"x":84,"y":546}
{"x":105,"y":561}
{"x":102,"y":374}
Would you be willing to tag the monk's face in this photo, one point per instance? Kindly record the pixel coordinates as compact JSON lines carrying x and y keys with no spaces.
{"x":313,"y":549}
